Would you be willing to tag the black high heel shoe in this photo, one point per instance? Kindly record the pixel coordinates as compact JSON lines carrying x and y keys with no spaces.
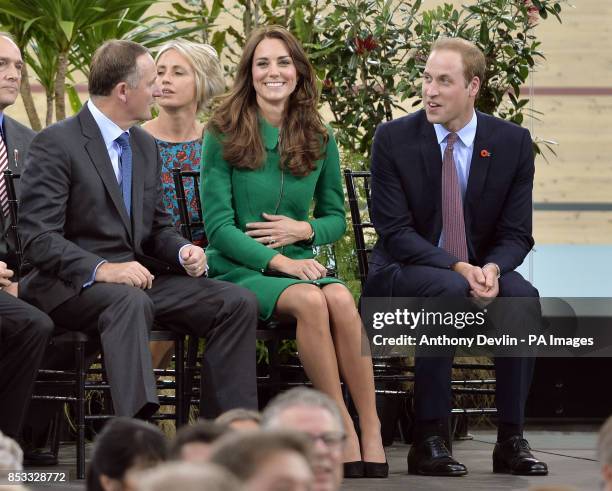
{"x":354,"y":469}
{"x":378,"y":470}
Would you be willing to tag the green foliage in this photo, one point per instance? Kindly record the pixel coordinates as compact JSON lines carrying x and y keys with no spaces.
{"x":299,"y":16}
{"x":371,"y":54}
{"x":59,"y":37}
{"x":358,"y":50}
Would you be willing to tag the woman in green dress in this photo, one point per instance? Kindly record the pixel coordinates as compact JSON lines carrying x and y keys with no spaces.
{"x":266,"y":157}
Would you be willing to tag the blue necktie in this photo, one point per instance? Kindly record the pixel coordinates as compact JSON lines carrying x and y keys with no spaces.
{"x":125,"y":170}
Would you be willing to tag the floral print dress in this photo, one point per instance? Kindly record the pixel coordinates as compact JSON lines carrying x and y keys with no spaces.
{"x":187,"y":155}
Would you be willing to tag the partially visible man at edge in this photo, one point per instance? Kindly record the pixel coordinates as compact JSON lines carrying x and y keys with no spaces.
{"x":24,"y":330}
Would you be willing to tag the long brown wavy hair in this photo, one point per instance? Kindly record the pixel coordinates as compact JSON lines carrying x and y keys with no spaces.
{"x":303,"y":134}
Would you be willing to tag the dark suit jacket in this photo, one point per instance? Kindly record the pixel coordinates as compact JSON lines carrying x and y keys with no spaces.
{"x":18,"y":137}
{"x":407,"y":201}
{"x":73,"y":216}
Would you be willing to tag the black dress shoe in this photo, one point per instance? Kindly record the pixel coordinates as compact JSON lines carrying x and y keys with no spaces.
{"x":513,"y":456}
{"x":39,"y":457}
{"x":377,"y":470}
{"x":354,"y":469}
{"x":430,"y":457}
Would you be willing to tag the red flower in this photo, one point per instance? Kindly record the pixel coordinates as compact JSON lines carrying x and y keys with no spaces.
{"x":533,"y":13}
{"x":328,"y":83}
{"x":362,"y":45}
{"x":485,"y":153}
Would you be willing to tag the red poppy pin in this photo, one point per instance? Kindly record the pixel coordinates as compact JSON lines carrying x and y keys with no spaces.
{"x":485,"y":153}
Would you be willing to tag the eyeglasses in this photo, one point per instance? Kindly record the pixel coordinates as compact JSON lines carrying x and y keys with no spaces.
{"x":332,"y":439}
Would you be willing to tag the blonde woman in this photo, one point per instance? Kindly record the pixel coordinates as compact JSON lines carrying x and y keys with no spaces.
{"x":190,"y":75}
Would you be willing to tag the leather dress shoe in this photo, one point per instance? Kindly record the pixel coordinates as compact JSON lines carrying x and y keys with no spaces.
{"x":430,"y":457}
{"x":513,"y":456}
{"x":39,"y":456}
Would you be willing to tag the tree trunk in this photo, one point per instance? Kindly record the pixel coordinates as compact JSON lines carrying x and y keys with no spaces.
{"x":60,"y":87}
{"x":49,"y":117}
{"x":28,"y":100}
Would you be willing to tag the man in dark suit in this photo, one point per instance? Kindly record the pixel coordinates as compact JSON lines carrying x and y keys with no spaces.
{"x":105,"y":256}
{"x":452,"y":206}
{"x":24,"y":330}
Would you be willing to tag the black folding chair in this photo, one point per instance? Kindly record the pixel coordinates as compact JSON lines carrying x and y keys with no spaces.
{"x":73,"y":384}
{"x":358,"y":186}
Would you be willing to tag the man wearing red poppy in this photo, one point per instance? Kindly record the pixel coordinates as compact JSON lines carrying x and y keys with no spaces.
{"x":452,"y":206}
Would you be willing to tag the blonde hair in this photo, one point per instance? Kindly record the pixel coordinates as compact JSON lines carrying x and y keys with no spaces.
{"x":206,"y":67}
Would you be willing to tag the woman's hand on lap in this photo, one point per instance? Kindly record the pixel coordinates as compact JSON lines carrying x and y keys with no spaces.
{"x":279,"y":230}
{"x":304,"y":269}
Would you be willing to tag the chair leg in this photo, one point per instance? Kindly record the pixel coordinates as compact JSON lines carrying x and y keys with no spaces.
{"x":179,"y":381}
{"x":55,"y":432}
{"x":274,"y":366}
{"x":191,"y":366}
{"x":80,"y":408}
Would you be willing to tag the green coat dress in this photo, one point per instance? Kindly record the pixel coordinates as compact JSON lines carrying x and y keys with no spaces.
{"x":233,"y":197}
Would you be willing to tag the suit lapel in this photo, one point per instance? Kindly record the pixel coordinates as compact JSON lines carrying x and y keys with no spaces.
{"x":14,"y":141}
{"x":432,"y":162}
{"x":98,"y":155}
{"x":481,"y":159}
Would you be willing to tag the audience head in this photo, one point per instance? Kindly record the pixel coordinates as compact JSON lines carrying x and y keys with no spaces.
{"x":240,"y":419}
{"x":273,"y":76}
{"x":10,"y":70}
{"x":123,"y":447}
{"x":188,"y":73}
{"x":11,"y":455}
{"x":193,"y":442}
{"x":604,"y":453}
{"x":184,"y":476}
{"x":316,"y":415}
{"x":264,"y":461}
{"x":453,"y":75}
{"x":123,"y":82}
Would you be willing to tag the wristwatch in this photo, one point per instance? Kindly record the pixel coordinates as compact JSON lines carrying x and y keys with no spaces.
{"x":496,"y":268}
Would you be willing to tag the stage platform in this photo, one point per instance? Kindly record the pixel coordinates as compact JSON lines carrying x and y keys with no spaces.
{"x":569,"y":452}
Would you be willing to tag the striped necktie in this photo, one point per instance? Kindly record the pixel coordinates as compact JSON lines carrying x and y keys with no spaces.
{"x":453,"y":223}
{"x":4,"y":201}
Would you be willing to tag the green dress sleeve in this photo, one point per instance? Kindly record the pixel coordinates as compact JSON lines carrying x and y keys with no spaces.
{"x":218,"y":210}
{"x":329,"y":223}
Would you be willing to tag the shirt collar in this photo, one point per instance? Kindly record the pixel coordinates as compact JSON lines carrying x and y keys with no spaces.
{"x":465,"y":134}
{"x":110,"y":131}
{"x":2,"y":123}
{"x":269,"y":133}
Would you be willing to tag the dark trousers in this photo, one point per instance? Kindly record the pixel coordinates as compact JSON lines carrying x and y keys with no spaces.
{"x":24,"y":334}
{"x":224,"y":314}
{"x":433,"y":397}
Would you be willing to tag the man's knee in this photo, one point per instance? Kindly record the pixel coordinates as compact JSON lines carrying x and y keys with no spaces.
{"x":138,"y":298}
{"x":451,"y":284}
{"x":512,"y":284}
{"x":42,"y":324}
{"x":238,"y":298}
{"x":128,"y":301}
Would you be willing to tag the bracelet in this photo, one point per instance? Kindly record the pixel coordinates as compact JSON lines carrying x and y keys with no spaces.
{"x":496,"y":268}
{"x":311,"y":236}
